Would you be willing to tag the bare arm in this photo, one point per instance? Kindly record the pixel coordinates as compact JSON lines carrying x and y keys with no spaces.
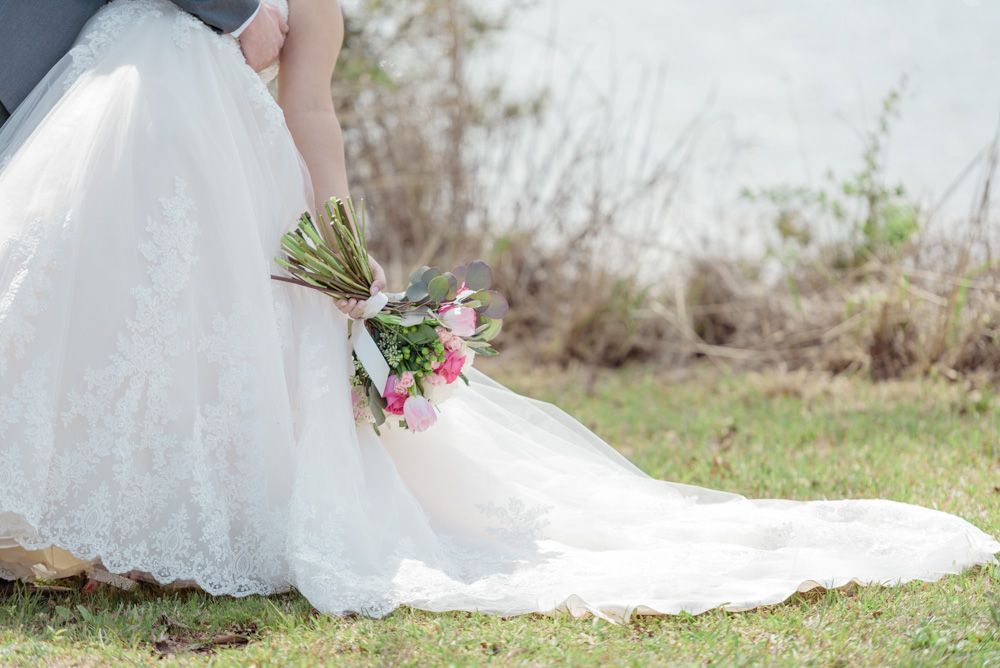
{"x":316,"y":33}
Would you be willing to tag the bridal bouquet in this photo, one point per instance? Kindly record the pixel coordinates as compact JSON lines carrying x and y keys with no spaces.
{"x":410,"y":347}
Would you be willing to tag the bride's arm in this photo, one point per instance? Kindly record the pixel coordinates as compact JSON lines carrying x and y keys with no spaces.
{"x":316,"y":32}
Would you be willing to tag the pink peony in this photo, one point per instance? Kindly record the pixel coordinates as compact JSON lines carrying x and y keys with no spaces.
{"x":460,"y":320}
{"x":452,"y":366}
{"x":419,"y":413}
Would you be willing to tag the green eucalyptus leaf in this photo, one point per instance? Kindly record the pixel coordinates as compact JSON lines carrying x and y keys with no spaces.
{"x":492,"y":330}
{"x":430,"y":274}
{"x":478,"y":276}
{"x":415,"y":277}
{"x":438,"y":289}
{"x":459,"y":273}
{"x":417,"y":292}
{"x":411,"y":318}
{"x":482,"y":299}
{"x":452,"y":284}
{"x":497,"y":307}
{"x":377,"y":404}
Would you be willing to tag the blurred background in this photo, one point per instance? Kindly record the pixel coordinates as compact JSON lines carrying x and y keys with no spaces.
{"x":756,"y":182}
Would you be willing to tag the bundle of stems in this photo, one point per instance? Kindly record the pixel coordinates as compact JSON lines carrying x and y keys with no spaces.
{"x":328,"y":252}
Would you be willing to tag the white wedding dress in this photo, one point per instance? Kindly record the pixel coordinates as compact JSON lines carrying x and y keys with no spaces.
{"x":167,"y":408}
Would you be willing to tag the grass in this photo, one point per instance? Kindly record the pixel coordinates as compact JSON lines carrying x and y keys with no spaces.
{"x":773,"y":435}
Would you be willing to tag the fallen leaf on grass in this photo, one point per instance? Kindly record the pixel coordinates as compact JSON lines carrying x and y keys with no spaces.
{"x":230,"y":639}
{"x":168,"y":644}
{"x":491,"y":648}
{"x":719,"y":464}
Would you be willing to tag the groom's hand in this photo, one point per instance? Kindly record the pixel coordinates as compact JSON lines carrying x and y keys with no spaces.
{"x":263,"y":38}
{"x":355,"y":308}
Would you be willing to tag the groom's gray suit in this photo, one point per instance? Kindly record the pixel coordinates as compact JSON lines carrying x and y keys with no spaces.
{"x":35,"y":34}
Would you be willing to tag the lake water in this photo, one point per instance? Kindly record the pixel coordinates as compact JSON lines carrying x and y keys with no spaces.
{"x":784,"y":88}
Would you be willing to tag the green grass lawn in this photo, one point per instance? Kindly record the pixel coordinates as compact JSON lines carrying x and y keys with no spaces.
{"x":788,"y":436}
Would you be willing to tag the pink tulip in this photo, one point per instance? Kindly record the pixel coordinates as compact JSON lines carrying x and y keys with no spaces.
{"x":419,"y":413}
{"x":460,"y":320}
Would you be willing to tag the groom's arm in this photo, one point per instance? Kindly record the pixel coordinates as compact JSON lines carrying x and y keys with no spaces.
{"x":225,"y":16}
{"x":258,"y":25}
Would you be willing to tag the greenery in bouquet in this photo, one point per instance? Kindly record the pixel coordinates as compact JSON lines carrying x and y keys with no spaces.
{"x":427,"y":336}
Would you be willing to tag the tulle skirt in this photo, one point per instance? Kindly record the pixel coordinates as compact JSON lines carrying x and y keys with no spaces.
{"x":167,"y":408}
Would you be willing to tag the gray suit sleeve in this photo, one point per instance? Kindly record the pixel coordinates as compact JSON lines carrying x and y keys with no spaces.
{"x":224,"y":16}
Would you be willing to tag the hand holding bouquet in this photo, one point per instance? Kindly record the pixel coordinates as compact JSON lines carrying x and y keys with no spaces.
{"x":411,"y":346}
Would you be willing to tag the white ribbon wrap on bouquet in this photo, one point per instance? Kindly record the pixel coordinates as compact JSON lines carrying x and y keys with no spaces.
{"x":365,"y":347}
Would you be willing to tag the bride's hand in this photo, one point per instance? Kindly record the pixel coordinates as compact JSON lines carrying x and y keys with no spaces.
{"x":355,"y":308}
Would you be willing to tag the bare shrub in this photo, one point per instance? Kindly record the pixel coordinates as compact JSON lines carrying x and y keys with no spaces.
{"x":432,"y":156}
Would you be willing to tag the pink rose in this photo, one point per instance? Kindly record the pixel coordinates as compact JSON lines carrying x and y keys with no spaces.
{"x":452,"y":366}
{"x":403,"y":383}
{"x":444,"y":334}
{"x":460,"y":320}
{"x":395,"y":403}
{"x":419,"y":413}
{"x":454,"y":344}
{"x":436,"y":380}
{"x":394,"y":400}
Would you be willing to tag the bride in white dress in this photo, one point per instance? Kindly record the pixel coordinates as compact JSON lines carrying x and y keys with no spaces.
{"x":166,"y":408}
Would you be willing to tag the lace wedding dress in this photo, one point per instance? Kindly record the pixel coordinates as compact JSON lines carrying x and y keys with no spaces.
{"x":166,"y":408}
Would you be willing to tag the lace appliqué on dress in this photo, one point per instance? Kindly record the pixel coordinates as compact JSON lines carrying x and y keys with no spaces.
{"x":263,"y":101}
{"x":111,"y":22}
{"x":516,"y":522}
{"x":184,"y":23}
{"x":45,"y":248}
{"x":112,"y":404}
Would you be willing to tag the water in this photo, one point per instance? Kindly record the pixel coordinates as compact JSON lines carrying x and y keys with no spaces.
{"x":792,"y":86}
